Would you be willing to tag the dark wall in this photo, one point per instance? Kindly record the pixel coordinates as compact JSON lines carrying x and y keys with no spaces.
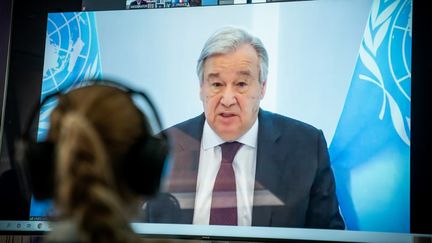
{"x":25,"y":59}
{"x":5,"y":172}
{"x":5,"y":27}
{"x":421,"y":108}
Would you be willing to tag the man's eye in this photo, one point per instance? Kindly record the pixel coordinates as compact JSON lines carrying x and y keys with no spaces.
{"x":216,"y":85}
{"x":242,"y":84}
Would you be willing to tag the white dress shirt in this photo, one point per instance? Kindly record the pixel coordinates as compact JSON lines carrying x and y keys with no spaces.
{"x":244,"y":165}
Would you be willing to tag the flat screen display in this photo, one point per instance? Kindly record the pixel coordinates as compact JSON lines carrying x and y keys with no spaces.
{"x":341,"y":66}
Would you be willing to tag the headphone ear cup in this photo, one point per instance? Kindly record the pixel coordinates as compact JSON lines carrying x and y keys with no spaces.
{"x":39,"y":163}
{"x":147,"y":157}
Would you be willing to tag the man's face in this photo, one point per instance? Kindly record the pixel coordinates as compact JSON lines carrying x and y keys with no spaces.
{"x":231,"y":92}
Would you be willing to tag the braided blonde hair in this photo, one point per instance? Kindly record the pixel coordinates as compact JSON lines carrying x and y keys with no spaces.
{"x":93,"y":128}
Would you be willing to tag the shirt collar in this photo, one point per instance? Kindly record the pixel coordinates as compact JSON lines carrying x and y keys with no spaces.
{"x":210,"y":139}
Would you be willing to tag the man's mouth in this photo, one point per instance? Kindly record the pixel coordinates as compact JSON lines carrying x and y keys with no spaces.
{"x":227,"y":115}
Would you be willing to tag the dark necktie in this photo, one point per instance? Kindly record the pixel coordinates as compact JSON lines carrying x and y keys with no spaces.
{"x":224,"y":200}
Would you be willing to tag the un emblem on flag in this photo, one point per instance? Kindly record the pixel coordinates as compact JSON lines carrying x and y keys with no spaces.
{"x":71,"y":56}
{"x":400,"y":43}
{"x":386,"y":53}
{"x":71,"y":50}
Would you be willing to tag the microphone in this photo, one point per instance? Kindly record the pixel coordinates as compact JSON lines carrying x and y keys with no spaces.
{"x":163,"y":208}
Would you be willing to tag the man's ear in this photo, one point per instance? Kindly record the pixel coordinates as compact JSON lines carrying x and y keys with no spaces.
{"x":263,"y":89}
{"x":201,"y":91}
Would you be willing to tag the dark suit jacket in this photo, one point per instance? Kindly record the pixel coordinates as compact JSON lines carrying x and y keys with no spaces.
{"x":292,"y":164}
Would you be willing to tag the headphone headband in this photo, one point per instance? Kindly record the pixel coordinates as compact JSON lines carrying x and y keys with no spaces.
{"x":110,"y":83}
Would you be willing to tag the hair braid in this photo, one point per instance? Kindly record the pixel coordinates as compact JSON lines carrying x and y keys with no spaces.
{"x":86,"y":188}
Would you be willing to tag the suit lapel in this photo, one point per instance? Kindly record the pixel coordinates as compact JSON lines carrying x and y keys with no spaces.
{"x":268,"y":168}
{"x":186,"y":154}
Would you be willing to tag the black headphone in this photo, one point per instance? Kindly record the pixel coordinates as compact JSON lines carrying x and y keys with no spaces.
{"x":142,"y":168}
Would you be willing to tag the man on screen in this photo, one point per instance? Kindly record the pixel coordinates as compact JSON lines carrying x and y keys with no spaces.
{"x":237,"y":164}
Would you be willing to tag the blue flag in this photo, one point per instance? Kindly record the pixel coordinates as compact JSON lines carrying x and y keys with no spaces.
{"x":370,"y":150}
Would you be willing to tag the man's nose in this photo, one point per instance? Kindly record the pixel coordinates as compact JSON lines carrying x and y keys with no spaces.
{"x":228,"y":97}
